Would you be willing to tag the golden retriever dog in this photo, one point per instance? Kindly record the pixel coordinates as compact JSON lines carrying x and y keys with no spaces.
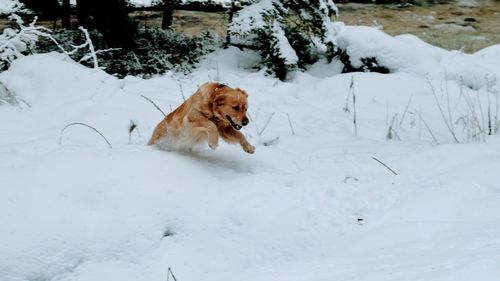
{"x":214,"y":110}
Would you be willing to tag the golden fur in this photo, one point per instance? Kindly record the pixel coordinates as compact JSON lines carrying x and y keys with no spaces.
{"x":214,"y":110}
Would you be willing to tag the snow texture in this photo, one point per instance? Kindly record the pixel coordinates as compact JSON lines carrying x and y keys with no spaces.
{"x":250,"y":17}
{"x":310,"y":204}
{"x":10,"y":6}
{"x":285,"y":50}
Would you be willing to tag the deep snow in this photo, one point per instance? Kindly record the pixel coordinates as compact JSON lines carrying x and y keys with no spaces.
{"x":314,"y":205}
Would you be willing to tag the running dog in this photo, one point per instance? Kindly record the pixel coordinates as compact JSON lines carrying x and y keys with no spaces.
{"x":214,"y":110}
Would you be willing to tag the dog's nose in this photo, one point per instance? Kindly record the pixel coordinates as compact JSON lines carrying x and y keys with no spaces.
{"x":244,"y":121}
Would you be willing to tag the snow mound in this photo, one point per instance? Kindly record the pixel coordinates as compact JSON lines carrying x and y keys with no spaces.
{"x":407,"y":53}
{"x":39,"y":77}
{"x":491,"y":52}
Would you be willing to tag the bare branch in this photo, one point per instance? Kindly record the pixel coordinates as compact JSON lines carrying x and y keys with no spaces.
{"x":383,"y":164}
{"x":86,"y":125}
{"x":170,"y":273}
{"x":267,"y":123}
{"x":406,"y":110}
{"x":154,"y":104}
{"x":182,"y":90}
{"x":445,"y":120}
{"x":428,"y":128}
{"x":290,"y":123}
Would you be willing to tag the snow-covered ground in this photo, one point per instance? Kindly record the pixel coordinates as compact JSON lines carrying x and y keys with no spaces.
{"x":313,"y":204}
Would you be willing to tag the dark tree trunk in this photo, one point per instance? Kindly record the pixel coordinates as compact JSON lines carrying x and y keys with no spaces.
{"x":66,"y":14}
{"x":45,"y":9}
{"x":232,"y":10}
{"x":83,"y":12}
{"x":168,"y":11}
{"x":110,"y":18}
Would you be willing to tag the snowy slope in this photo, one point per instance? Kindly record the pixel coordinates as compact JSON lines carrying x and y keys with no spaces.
{"x":314,"y":205}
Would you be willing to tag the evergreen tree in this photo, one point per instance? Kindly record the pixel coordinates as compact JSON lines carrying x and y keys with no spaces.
{"x":109,"y":17}
{"x":46,"y":9}
{"x":289,"y":34}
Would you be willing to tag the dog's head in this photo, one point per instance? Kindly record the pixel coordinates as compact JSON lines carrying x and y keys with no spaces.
{"x":230,"y":106}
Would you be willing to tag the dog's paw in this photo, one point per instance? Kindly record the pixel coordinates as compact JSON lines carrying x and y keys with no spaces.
{"x":213,"y":145}
{"x":249,"y":148}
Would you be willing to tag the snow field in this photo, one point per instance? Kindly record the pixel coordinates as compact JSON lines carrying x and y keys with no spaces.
{"x":81,"y":211}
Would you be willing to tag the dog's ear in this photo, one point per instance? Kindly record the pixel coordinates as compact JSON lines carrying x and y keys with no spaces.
{"x":217,"y":97}
{"x":242,"y":91}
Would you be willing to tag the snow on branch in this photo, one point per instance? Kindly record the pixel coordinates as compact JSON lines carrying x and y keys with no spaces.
{"x":92,"y":52}
{"x":16,"y":43}
{"x":11,"y":6}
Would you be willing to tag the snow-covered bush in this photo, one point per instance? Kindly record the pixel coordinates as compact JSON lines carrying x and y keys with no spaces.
{"x":155,"y":51}
{"x":158,"y":51}
{"x":17,"y":42}
{"x":289,"y":34}
{"x":8,"y":7}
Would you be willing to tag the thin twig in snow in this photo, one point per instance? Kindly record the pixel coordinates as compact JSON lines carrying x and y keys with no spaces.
{"x":169,"y":272}
{"x":445,"y":120}
{"x":132,"y":126}
{"x":154,"y":104}
{"x":182,"y":90}
{"x":406,"y":110}
{"x":490,"y":126}
{"x":267,"y":123}
{"x":450,"y":115}
{"x":354,"y":106}
{"x":472,"y":107}
{"x":383,"y":164}
{"x":290,"y":123}
{"x":428,"y":128}
{"x":86,"y":125}
{"x":391,"y":129}
{"x":497,"y":94}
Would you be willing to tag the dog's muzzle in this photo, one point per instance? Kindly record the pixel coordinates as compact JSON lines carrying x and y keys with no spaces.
{"x":235,"y":126}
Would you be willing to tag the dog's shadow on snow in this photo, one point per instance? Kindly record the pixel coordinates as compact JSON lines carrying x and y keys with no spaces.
{"x":226,"y":160}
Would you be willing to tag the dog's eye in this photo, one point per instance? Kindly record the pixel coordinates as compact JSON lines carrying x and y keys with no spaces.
{"x":237,"y":108}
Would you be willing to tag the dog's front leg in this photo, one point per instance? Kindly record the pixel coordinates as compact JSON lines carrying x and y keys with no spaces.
{"x":213,"y":135}
{"x":203,"y":129}
{"x":247,"y":147}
